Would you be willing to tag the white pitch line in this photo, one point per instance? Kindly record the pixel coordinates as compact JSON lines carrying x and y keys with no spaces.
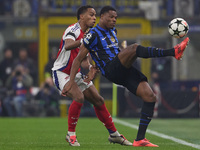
{"x":164,"y":136}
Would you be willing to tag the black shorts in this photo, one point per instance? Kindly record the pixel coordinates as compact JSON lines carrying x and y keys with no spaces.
{"x":128,"y":77}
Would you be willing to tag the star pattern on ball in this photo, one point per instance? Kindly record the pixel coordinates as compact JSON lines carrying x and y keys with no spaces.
{"x":176,"y":32}
{"x":178,"y":21}
{"x":186,"y":29}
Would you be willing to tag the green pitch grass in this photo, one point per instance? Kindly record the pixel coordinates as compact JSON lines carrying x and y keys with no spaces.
{"x":49,"y":134}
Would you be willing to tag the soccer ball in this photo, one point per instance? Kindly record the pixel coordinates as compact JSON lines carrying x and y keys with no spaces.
{"x":178,"y":28}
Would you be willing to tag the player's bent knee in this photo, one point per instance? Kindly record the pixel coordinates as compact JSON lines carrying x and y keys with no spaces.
{"x":79,"y":98}
{"x":151,"y":97}
{"x":99,"y":101}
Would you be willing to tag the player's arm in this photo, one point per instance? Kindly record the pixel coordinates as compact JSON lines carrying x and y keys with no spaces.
{"x":70,"y":38}
{"x":86,"y":63}
{"x":93,"y":69}
{"x":78,"y":60}
{"x":71,"y":44}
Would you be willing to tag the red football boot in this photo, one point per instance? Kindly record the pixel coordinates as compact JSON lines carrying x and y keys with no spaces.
{"x":72,"y":140}
{"x":179,"y":48}
{"x":143,"y":143}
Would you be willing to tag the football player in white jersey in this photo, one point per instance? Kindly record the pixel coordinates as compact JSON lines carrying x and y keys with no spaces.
{"x":84,"y":88}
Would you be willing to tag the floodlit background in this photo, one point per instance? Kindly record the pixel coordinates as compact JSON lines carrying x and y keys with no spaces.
{"x":30,"y":34}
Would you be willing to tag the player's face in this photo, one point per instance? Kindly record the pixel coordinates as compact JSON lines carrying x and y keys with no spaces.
{"x":90,"y":17}
{"x":109,"y":19}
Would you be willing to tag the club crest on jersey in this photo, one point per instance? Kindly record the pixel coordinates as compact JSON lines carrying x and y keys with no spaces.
{"x":112,"y":39}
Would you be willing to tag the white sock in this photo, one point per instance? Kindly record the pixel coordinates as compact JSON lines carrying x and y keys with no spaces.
{"x":71,"y":133}
{"x":115,"y":134}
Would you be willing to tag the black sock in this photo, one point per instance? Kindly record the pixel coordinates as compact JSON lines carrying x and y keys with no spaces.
{"x":146,"y":115}
{"x":148,"y":52}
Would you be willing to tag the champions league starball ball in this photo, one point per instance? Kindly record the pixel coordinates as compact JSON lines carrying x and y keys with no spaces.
{"x":178,"y":28}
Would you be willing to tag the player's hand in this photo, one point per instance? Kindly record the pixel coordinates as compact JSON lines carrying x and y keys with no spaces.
{"x":94,"y":70}
{"x":67,"y":88}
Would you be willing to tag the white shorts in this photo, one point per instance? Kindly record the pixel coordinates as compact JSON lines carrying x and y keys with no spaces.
{"x":61,"y":78}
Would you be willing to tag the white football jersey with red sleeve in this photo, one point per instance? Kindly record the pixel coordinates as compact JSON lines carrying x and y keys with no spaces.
{"x":65,"y":58}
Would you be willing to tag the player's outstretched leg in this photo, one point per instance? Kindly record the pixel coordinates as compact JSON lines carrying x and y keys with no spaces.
{"x":180,"y":48}
{"x":150,"y":52}
{"x":105,"y":117}
{"x":91,"y":94}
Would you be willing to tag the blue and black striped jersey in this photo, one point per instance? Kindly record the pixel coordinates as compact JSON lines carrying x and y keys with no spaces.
{"x":102,"y":45}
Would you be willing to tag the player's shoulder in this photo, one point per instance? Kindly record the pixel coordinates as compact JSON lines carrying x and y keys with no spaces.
{"x":92,"y":31}
{"x":90,"y":36}
{"x":74,"y":28}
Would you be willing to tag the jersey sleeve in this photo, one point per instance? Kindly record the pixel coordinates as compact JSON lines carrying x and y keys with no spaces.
{"x":90,"y":40}
{"x":71,"y":34}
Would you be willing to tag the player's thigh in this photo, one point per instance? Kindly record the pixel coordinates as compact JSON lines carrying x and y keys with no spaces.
{"x":132,"y":78}
{"x":145,"y":92}
{"x":128,"y":55}
{"x":91,"y":94}
{"x":75,"y":93}
{"x":61,"y":81}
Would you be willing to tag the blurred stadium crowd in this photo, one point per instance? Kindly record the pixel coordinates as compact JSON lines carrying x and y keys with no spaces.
{"x":17,"y":87}
{"x":21,"y":92}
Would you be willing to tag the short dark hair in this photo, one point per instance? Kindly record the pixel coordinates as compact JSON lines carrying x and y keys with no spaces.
{"x":82,"y":10}
{"x":106,"y":9}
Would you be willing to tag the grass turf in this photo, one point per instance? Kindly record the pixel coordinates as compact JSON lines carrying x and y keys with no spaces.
{"x":49,"y":134}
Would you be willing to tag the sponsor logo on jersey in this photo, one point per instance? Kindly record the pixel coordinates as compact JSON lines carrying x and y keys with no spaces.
{"x":112,"y":45}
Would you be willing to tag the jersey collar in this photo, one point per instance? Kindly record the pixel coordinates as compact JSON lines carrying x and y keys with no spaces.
{"x":101,"y":28}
